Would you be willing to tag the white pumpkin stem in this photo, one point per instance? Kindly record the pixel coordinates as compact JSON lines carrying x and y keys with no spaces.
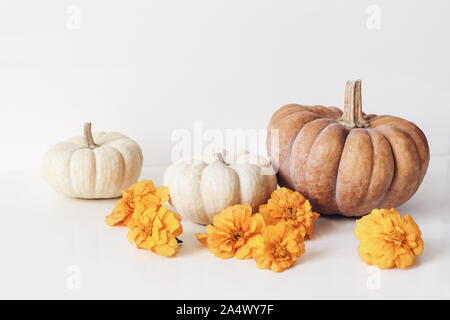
{"x":352,"y":116}
{"x":88,"y":136}
{"x":220,"y":157}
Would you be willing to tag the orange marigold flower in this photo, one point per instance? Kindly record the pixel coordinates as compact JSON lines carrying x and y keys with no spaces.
{"x":292,"y":207}
{"x":278,"y":246}
{"x":388,"y":240}
{"x":155,"y":230}
{"x":231,"y":232}
{"x":144,"y":193}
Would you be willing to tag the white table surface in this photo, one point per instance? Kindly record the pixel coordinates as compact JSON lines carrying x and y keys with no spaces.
{"x":56,"y":247}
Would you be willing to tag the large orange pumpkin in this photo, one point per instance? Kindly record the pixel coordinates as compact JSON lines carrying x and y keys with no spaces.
{"x":347,"y":162}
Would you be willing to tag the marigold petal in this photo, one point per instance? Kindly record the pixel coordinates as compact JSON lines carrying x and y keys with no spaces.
{"x":147,"y":243}
{"x":405,"y":260}
{"x":120,"y":212}
{"x":167,"y":249}
{"x":132,"y":235}
{"x":143,"y":187}
{"x":411,"y":226}
{"x":163,"y":194}
{"x":202,"y":238}
{"x":244,"y":252}
{"x":418,"y":250}
{"x":171,"y":221}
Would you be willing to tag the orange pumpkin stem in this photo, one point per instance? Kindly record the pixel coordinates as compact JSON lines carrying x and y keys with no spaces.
{"x":352,"y":116}
{"x":88,"y":136}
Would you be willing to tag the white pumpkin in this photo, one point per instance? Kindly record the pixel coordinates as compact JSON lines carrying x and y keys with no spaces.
{"x":201,"y":189}
{"x":95,"y":166}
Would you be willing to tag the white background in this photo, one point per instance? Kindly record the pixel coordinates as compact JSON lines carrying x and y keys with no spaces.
{"x":146,"y":68}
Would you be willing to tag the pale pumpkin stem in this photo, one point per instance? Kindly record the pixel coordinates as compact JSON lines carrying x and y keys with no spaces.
{"x":352,"y":116}
{"x":220,"y":157}
{"x":88,"y":136}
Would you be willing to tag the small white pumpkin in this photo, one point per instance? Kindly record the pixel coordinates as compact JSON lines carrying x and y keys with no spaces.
{"x":96,"y":166}
{"x":201,"y":189}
